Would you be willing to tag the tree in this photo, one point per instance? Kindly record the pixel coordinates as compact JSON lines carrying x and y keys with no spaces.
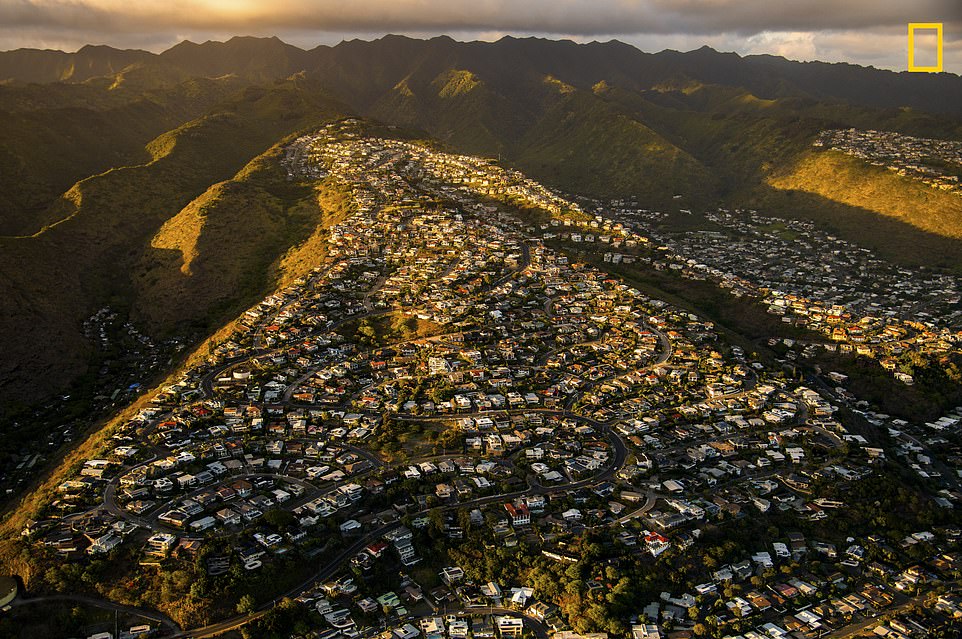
{"x":450,"y":439}
{"x":279,"y":518}
{"x":245,"y":605}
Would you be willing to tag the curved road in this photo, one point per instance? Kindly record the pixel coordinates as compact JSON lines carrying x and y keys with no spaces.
{"x":104,"y":604}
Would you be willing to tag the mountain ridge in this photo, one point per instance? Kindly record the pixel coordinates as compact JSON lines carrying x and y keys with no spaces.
{"x":854,"y":83}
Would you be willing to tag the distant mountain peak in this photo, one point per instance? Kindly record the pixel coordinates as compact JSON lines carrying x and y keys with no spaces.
{"x":254,"y":39}
{"x":96,"y":47}
{"x":390,"y":37}
{"x":706,"y":50}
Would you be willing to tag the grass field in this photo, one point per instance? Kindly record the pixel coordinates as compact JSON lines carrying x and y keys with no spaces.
{"x":391,"y":327}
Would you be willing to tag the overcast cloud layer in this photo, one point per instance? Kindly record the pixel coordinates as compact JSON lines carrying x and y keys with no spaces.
{"x":859,"y":31}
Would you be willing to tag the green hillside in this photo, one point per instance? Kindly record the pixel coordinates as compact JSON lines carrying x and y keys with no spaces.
{"x":584,"y":144}
{"x":842,"y":178}
{"x":68,"y":132}
{"x":55,"y":279}
{"x":232,"y":244}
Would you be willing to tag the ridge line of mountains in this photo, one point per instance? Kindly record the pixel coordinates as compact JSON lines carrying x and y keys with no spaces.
{"x":264,"y":59}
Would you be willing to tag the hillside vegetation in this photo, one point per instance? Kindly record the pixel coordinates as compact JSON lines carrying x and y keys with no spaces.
{"x":153,"y":183}
{"x":590,"y":146}
{"x":240,"y":238}
{"x":51,"y":140}
{"x":842,"y":178}
{"x":55,"y":279}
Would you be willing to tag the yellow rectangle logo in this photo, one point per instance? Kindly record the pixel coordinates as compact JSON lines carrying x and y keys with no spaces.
{"x":925,"y":26}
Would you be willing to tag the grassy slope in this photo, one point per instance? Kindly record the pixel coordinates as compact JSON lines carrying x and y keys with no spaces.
{"x":584,"y":144}
{"x":842,"y":178}
{"x":760,"y":151}
{"x":54,"y":280}
{"x":230,"y":245}
{"x":711,"y":144}
{"x":456,"y":107}
{"x":390,"y":328}
{"x":569,"y":138}
{"x":54,"y":138}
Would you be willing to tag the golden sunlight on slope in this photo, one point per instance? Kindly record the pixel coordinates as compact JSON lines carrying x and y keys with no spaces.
{"x":841,"y":178}
{"x":235,"y":243}
{"x":182,"y":231}
{"x":454,"y":83}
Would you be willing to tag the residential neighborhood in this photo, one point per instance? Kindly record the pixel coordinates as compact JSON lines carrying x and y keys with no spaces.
{"x":452,"y":414}
{"x":933,"y":162}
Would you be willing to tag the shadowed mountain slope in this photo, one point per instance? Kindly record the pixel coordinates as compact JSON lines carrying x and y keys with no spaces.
{"x":58,"y":277}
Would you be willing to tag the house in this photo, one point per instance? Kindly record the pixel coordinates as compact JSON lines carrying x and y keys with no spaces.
{"x":432,"y":627}
{"x":541,"y":611}
{"x":228,"y":517}
{"x":674,"y":486}
{"x":175,"y":518}
{"x":452,"y":575}
{"x":104,"y":544}
{"x":520,"y":516}
{"x":407,"y":631}
{"x":509,"y":626}
{"x":645,"y":631}
{"x":571,"y":515}
{"x":482,"y":628}
{"x":159,"y":544}
{"x":535,"y":502}
{"x":350,"y":527}
{"x":202,"y":524}
{"x":405,"y":550}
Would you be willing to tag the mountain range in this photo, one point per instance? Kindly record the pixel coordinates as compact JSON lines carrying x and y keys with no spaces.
{"x":151,"y":181}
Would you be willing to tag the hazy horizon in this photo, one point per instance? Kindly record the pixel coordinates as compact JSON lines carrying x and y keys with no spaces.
{"x":306,"y":46}
{"x":864,"y":32}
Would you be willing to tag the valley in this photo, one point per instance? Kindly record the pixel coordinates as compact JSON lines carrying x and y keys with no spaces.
{"x":469,"y":339}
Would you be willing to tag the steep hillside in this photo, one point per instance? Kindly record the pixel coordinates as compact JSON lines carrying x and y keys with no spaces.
{"x":257,"y":59}
{"x":569,"y":137}
{"x":743,"y":137}
{"x":232,"y":244}
{"x":842,"y":178}
{"x":364,"y":70}
{"x":55,"y":279}
{"x":57,"y":136}
{"x":455,"y":106}
{"x":739,"y":116}
{"x":34,"y":65}
{"x":177,"y":233}
{"x":588,"y":146}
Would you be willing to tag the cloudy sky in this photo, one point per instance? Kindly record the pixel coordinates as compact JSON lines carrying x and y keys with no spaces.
{"x":869,"y":32}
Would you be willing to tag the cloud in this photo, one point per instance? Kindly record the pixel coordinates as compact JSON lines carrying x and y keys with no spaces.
{"x":580,"y":17}
{"x":864,"y":31}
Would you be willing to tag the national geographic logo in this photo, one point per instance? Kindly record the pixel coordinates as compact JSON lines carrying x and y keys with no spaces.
{"x":925,"y":26}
